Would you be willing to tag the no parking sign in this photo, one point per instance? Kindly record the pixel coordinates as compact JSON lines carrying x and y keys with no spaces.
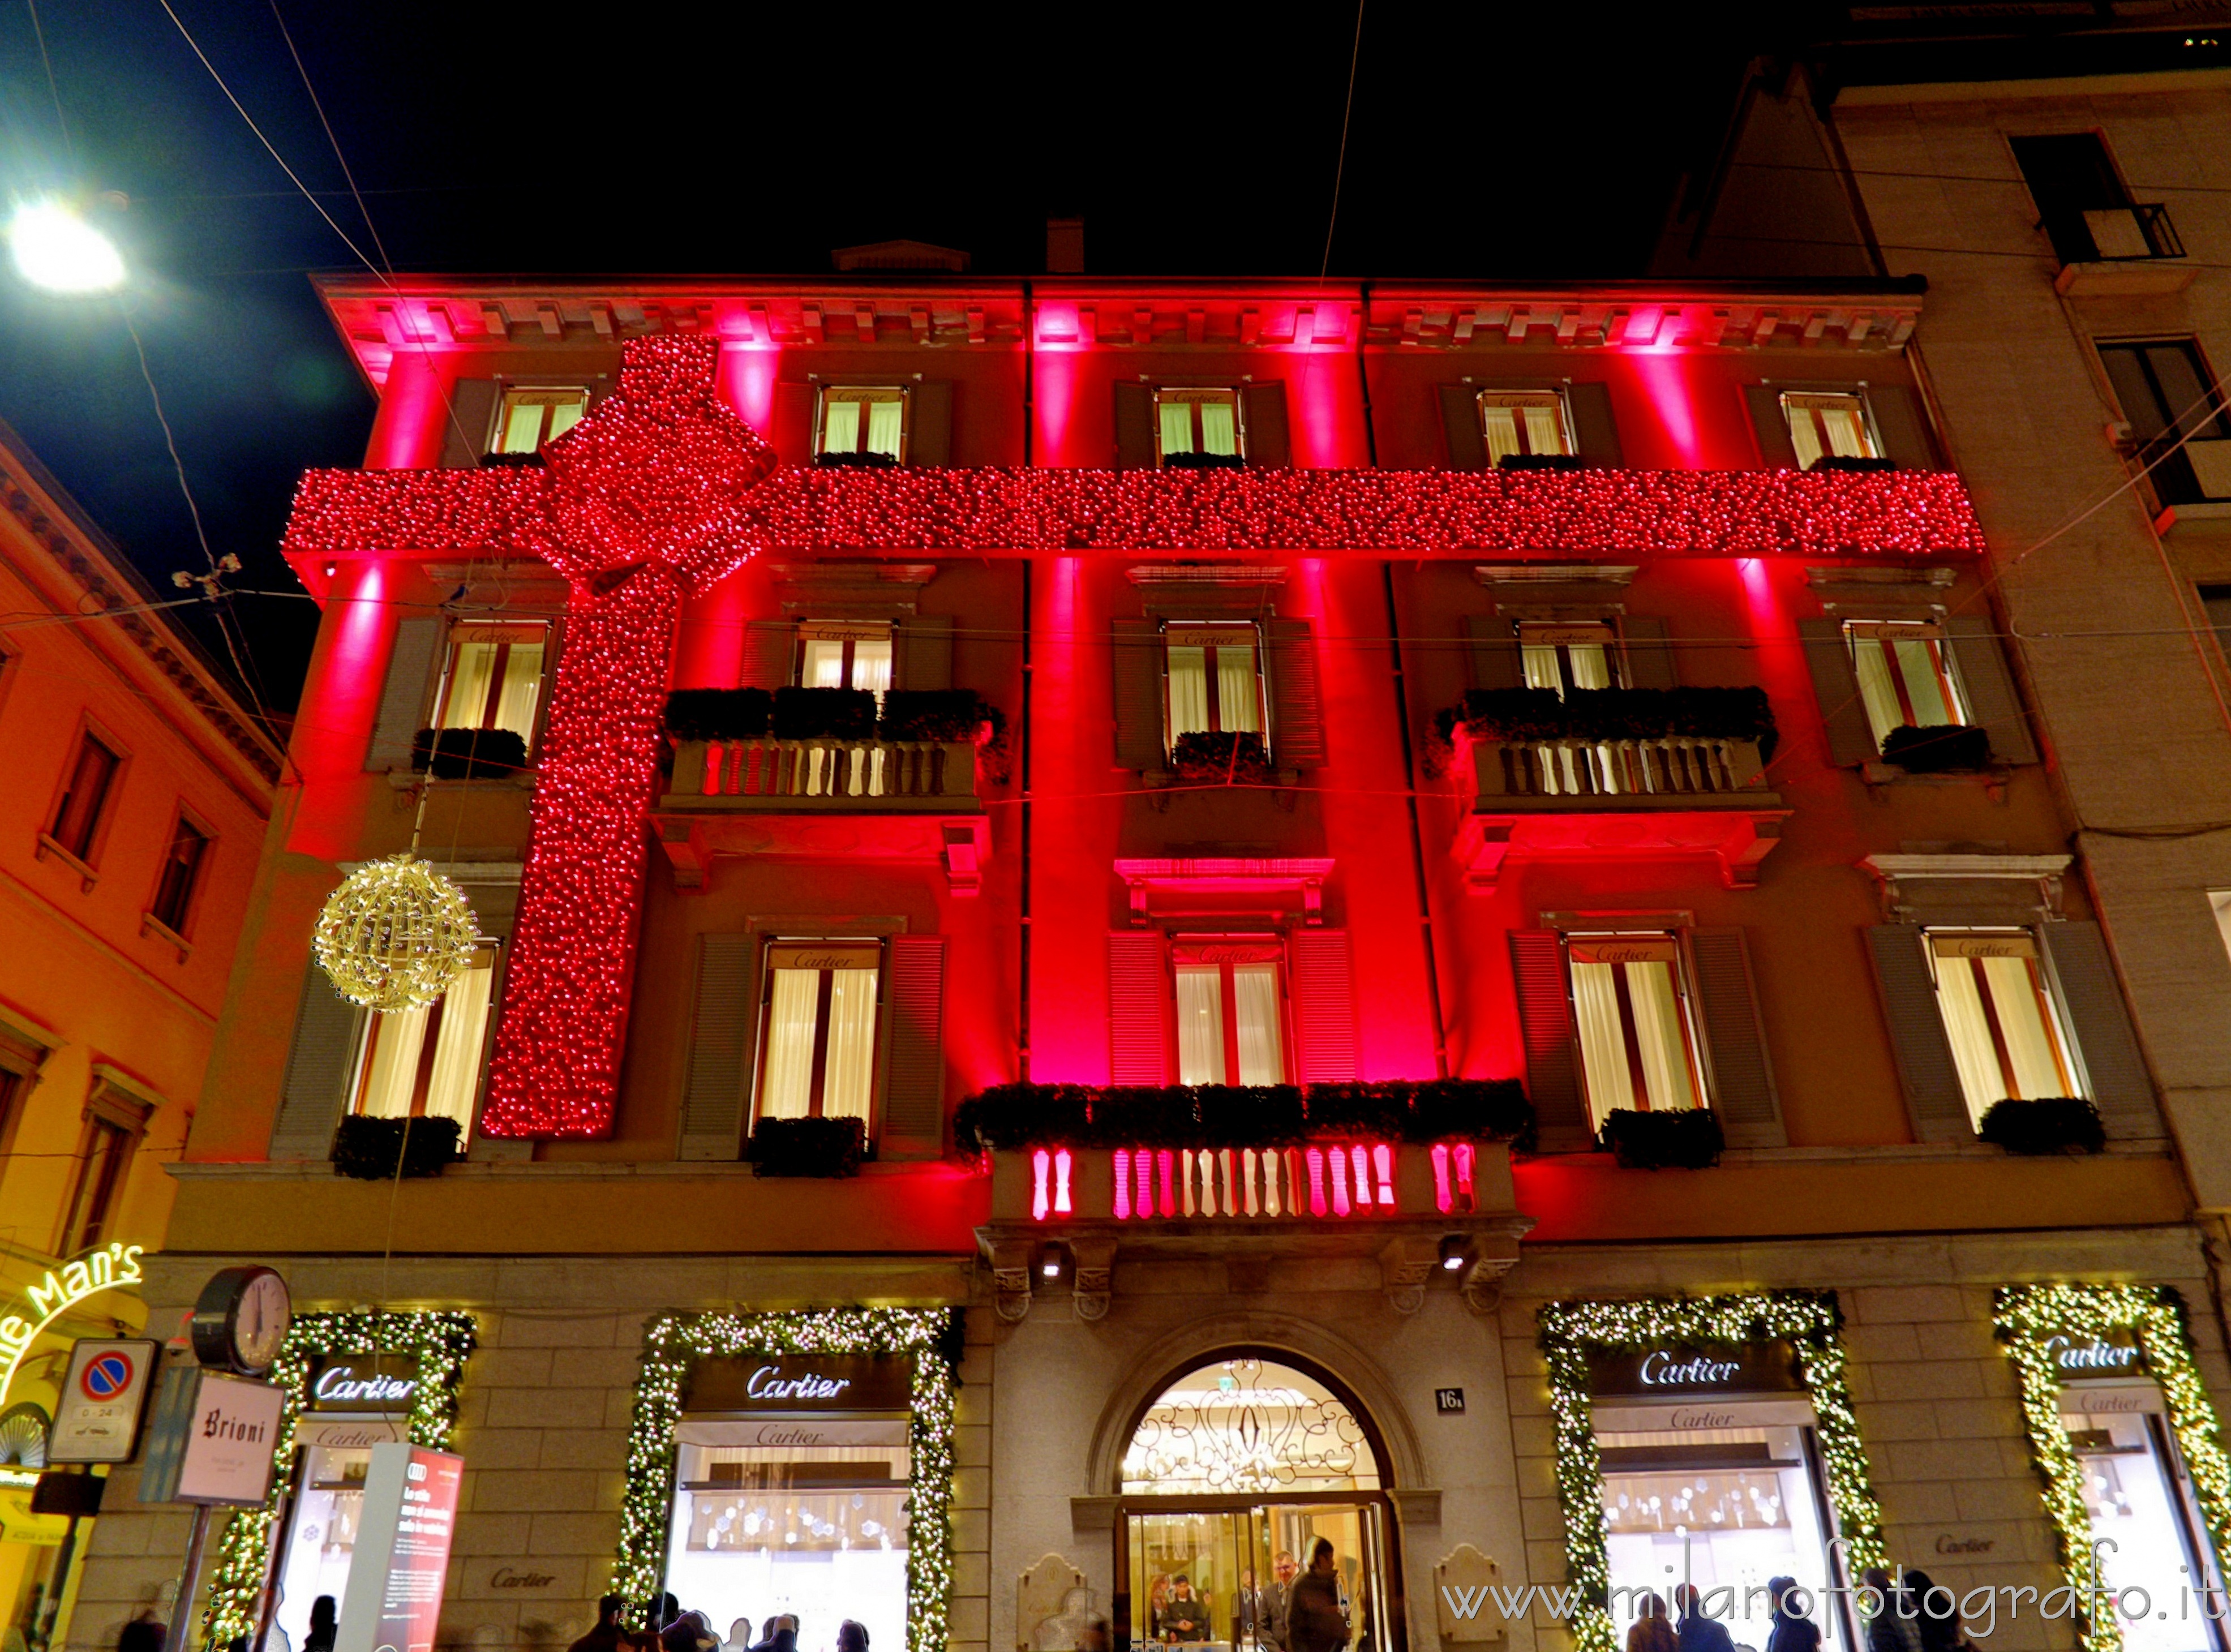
{"x":103,"y":1398}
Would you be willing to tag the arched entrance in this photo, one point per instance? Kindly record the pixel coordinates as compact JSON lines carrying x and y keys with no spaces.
{"x":1233,"y":1472}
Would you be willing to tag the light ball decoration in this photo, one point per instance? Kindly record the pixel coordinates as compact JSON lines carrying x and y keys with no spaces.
{"x":395,"y":935}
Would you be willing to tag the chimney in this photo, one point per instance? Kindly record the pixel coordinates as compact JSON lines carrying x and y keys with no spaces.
{"x":1064,"y":246}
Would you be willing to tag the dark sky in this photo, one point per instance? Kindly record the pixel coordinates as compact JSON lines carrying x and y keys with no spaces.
{"x":1486,"y":142}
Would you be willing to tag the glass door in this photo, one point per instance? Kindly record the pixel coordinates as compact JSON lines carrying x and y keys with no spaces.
{"x":1216,"y":1573}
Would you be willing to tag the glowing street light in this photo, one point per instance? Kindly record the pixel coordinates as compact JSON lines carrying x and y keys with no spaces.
{"x":56,"y":249}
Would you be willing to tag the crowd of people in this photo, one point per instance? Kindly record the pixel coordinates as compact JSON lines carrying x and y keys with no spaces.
{"x":689,"y":1631}
{"x":1296,"y":1611}
{"x":1899,"y":1624}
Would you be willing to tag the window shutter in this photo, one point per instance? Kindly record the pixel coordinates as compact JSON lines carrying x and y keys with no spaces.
{"x":468,"y":423}
{"x":1467,"y":449}
{"x":770,"y":653}
{"x":1545,"y":1019}
{"x":1139,"y":1008}
{"x":2093,"y":998}
{"x":1135,"y":427}
{"x":1836,"y":685}
{"x":792,"y":420}
{"x":1899,"y":421}
{"x":403,"y":701}
{"x":1595,"y":431}
{"x":1989,"y":686}
{"x":1321,"y":985}
{"x":1926,"y":1072}
{"x":1297,"y":735}
{"x":1138,"y":655}
{"x":914,"y":1096}
{"x":1742,"y":1076}
{"x":1495,"y":659}
{"x":719,"y":1041}
{"x":1776,"y":451}
{"x":1649,"y":652}
{"x":318,"y":1068}
{"x":921,"y":653}
{"x":1267,"y":441}
{"x":929,"y":425}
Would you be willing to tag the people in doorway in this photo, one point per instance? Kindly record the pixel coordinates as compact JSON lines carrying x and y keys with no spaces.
{"x":1792,"y":1631}
{"x":325,"y":1613}
{"x":851,"y":1637}
{"x":607,"y":1635}
{"x":1651,"y":1631}
{"x":1272,"y":1600}
{"x":1696,"y":1631}
{"x":1184,"y":1617}
{"x":1937,"y":1628}
{"x":1315,"y":1620}
{"x":1891,"y":1626}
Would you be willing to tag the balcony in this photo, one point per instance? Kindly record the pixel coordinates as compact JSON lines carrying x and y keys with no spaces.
{"x":822,"y":775}
{"x":2117,"y":251}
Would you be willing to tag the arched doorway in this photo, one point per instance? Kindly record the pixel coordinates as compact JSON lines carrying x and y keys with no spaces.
{"x":1233,"y":1471}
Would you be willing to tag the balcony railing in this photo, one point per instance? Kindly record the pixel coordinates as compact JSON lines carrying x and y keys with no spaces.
{"x":1314,"y":1183}
{"x":822,"y":775}
{"x":2114,"y":234}
{"x":1675,"y":769}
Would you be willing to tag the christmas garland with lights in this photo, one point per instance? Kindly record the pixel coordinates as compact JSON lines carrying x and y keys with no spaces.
{"x":2025,"y":1316}
{"x":1571,"y":1331}
{"x":672,"y":1346}
{"x":440,"y":1342}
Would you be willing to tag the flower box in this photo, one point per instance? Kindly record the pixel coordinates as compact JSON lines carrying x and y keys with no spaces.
{"x":1675,"y":1138}
{"x":380,"y":1150}
{"x":2044,"y":1126}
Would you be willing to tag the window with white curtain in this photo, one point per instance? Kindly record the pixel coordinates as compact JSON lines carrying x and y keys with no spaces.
{"x":1215,"y":679}
{"x":1230,"y":1018}
{"x":426,"y":1063}
{"x":864,"y":419}
{"x":2000,"y":1018}
{"x":818,"y":1029}
{"x":1638,"y":1034}
{"x":532,"y":415}
{"x":845,"y":655}
{"x":1833,"y":424}
{"x":495,"y":679}
{"x":1561,"y":657}
{"x":1905,"y":674}
{"x":1198,"y":421}
{"x":1523,"y":424}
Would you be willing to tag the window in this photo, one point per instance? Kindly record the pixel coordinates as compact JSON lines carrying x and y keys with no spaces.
{"x":818,"y":1018}
{"x":77,"y":814}
{"x":1230,"y":1029}
{"x":1638,"y":1034}
{"x":1999,"y":1016}
{"x":1523,"y":423}
{"x":426,"y":1063}
{"x":845,"y":656}
{"x":1198,"y":421}
{"x":1832,"y":424}
{"x":182,"y":872}
{"x":1215,"y":679}
{"x":2082,"y":205}
{"x":2169,"y":395}
{"x":529,"y":416}
{"x":112,"y":1127}
{"x":1561,"y":657}
{"x":494,"y":679}
{"x":1905,"y":676}
{"x":854,"y":420}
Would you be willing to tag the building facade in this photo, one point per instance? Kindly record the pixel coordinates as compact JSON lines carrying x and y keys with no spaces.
{"x":1229,"y":792}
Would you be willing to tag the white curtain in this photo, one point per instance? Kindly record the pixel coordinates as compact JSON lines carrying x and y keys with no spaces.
{"x":1920,"y":663}
{"x":522,"y":427}
{"x":1200,"y":1024}
{"x":785,"y":1090}
{"x":825,"y":663}
{"x":1255,"y":999}
{"x":1236,"y":708}
{"x":393,"y":1042}
{"x":1177,"y":426}
{"x":1848,"y":432}
{"x":1968,"y":1031}
{"x":1545,"y":431}
{"x":2031,"y":1045}
{"x":1591,"y":666}
{"x":848,"y":1070}
{"x":472,"y":667}
{"x":1500,"y":426}
{"x":521,"y":686}
{"x":1188,"y":690}
{"x":1878,"y":692}
{"x":885,"y":421}
{"x":1658,"y":1035}
{"x":1220,"y":430}
{"x":1542,"y":668}
{"x":1603,"y":1041}
{"x":872,"y":665}
{"x":457,"y":1045}
{"x":1804,"y":434}
{"x":840,"y":426}
{"x":565,"y":415}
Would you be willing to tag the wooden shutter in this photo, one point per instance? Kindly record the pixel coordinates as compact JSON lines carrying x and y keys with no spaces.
{"x":319,"y":1066}
{"x":921,"y":653}
{"x":770,"y":654}
{"x":914,"y":1095}
{"x":1743,"y":1076}
{"x":1267,"y":443}
{"x":1545,"y":1019}
{"x":713,"y":1108}
{"x":792,"y":418}
{"x":1595,"y":431}
{"x":1298,"y":733}
{"x":1836,"y":685}
{"x":1897,"y":413}
{"x":1495,"y":663}
{"x":1467,"y":448}
{"x":468,"y":423}
{"x":1989,"y":687}
{"x":1771,"y":426}
{"x":1135,"y":427}
{"x":1321,"y":986}
{"x":1649,"y":652}
{"x":2092,"y":997}
{"x":929,"y":420}
{"x":1139,"y":1008}
{"x":1926,"y":1072}
{"x":403,"y":701}
{"x":1137,"y":647}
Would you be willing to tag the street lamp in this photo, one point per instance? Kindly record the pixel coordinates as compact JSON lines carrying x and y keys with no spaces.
{"x":56,"y":249}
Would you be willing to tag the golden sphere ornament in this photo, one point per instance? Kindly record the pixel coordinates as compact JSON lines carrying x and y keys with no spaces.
{"x":396,"y":934}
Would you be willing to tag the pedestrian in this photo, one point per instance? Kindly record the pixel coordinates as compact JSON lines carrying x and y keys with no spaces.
{"x":607,"y":1636}
{"x":766,"y":1642}
{"x":740,"y":1636}
{"x":144,"y":1633}
{"x":1314,"y":1620}
{"x":1696,"y":1632}
{"x":785,"y":1634}
{"x":1272,"y":1608}
{"x":325,"y":1612}
{"x":1936,"y":1630}
{"x":1891,"y":1627}
{"x":1651,"y":1632}
{"x":851,"y":1637}
{"x":1792,"y":1632}
{"x":1185,"y":1616}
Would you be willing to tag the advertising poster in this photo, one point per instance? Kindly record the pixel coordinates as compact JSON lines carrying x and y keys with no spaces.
{"x":402,"y":1558}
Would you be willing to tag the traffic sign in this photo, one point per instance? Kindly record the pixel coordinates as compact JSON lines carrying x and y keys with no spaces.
{"x":104,"y":1399}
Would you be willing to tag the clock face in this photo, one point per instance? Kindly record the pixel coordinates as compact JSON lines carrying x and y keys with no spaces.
{"x":259,"y":1324}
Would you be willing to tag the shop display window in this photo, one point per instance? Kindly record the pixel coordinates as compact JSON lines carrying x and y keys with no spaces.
{"x":2138,"y":1497}
{"x":320,"y":1536}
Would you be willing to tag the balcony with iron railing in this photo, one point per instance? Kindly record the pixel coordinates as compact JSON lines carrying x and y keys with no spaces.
{"x":2129,"y":249}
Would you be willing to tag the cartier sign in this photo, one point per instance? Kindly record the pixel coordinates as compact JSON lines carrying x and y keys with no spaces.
{"x":801,"y":1382}
{"x":385,"y":1383}
{"x":1679,"y":1371}
{"x":2116,"y":1354}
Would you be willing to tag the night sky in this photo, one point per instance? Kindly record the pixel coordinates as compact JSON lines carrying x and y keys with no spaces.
{"x":1195,"y":140}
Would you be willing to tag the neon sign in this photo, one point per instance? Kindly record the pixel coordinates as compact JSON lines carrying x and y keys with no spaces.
{"x":52,"y":1296}
{"x":1661,"y":1368}
{"x":2096,"y":1355}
